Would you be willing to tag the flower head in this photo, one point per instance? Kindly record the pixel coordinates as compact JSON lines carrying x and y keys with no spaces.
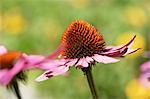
{"x":12,"y":67}
{"x":82,"y":45}
{"x":13,"y":63}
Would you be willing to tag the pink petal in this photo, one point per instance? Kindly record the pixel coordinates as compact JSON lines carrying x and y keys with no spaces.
{"x":71,"y":62}
{"x":3,"y":50}
{"x":104,"y":59}
{"x":60,"y":70}
{"x":113,"y":48}
{"x":50,"y":64}
{"x":89,"y":59}
{"x":18,"y":67}
{"x":42,"y":77}
{"x":130,"y":51}
{"x":145,"y":67}
{"x":5,"y":77}
{"x":120,"y":51}
{"x":130,"y":43}
{"x":145,"y":79}
{"x":32,"y":60}
{"x":55,"y":72}
{"x":82,"y":63}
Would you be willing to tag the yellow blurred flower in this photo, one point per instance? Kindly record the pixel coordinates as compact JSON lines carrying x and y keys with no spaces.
{"x":134,"y":90}
{"x":1,"y":22}
{"x":14,"y":22}
{"x":135,"y":16}
{"x":139,"y":42}
{"x":79,"y":3}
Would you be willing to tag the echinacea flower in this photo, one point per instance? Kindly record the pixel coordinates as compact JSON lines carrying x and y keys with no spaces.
{"x":145,"y":74}
{"x":12,"y":67}
{"x":82,"y":46}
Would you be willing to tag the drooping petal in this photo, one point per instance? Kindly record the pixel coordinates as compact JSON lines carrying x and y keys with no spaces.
{"x":119,"y":51}
{"x":82,"y":63}
{"x":145,"y":79}
{"x":32,"y":61}
{"x":4,"y":78}
{"x":71,"y":62}
{"x":89,"y":59}
{"x":43,"y":76}
{"x":104,"y":59}
{"x":130,"y":51}
{"x":3,"y":50}
{"x":145,"y":67}
{"x":6,"y":75}
{"x":54,"y":72}
{"x":50,"y":64}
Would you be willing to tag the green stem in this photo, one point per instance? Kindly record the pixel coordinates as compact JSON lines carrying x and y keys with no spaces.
{"x":90,"y":80}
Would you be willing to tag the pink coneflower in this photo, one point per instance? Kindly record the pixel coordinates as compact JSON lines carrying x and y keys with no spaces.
{"x":12,"y":67}
{"x":82,"y":46}
{"x":145,"y":75}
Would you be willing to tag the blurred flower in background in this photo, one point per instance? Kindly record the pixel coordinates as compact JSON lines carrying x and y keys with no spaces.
{"x":145,"y":72}
{"x":134,"y":90}
{"x":14,"y":22}
{"x":1,"y":22}
{"x":145,"y":78}
{"x":135,"y":16}
{"x":79,"y":3}
{"x":139,"y":42}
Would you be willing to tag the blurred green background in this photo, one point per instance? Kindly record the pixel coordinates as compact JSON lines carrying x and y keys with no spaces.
{"x":36,"y":27}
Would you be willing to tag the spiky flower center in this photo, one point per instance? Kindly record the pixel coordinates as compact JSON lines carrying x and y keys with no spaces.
{"x":81,"y":39}
{"x":7,"y":60}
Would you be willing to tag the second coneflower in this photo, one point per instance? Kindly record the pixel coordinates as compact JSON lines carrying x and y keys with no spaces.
{"x":82,"y":46}
{"x":12,"y":67}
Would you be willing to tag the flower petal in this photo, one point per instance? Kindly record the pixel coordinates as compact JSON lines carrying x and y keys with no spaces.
{"x":82,"y":63}
{"x":4,"y":77}
{"x":32,"y":60}
{"x":7,"y":75}
{"x":104,"y":59}
{"x":119,"y":51}
{"x":42,"y":77}
{"x":145,"y":67}
{"x":50,"y":64}
{"x":89,"y":59}
{"x":50,"y":73}
{"x":130,"y":51}
{"x":3,"y":50}
{"x":71,"y":62}
{"x":145,"y":79}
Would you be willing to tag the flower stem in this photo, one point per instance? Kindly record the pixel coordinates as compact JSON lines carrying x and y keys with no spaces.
{"x":88,"y":73}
